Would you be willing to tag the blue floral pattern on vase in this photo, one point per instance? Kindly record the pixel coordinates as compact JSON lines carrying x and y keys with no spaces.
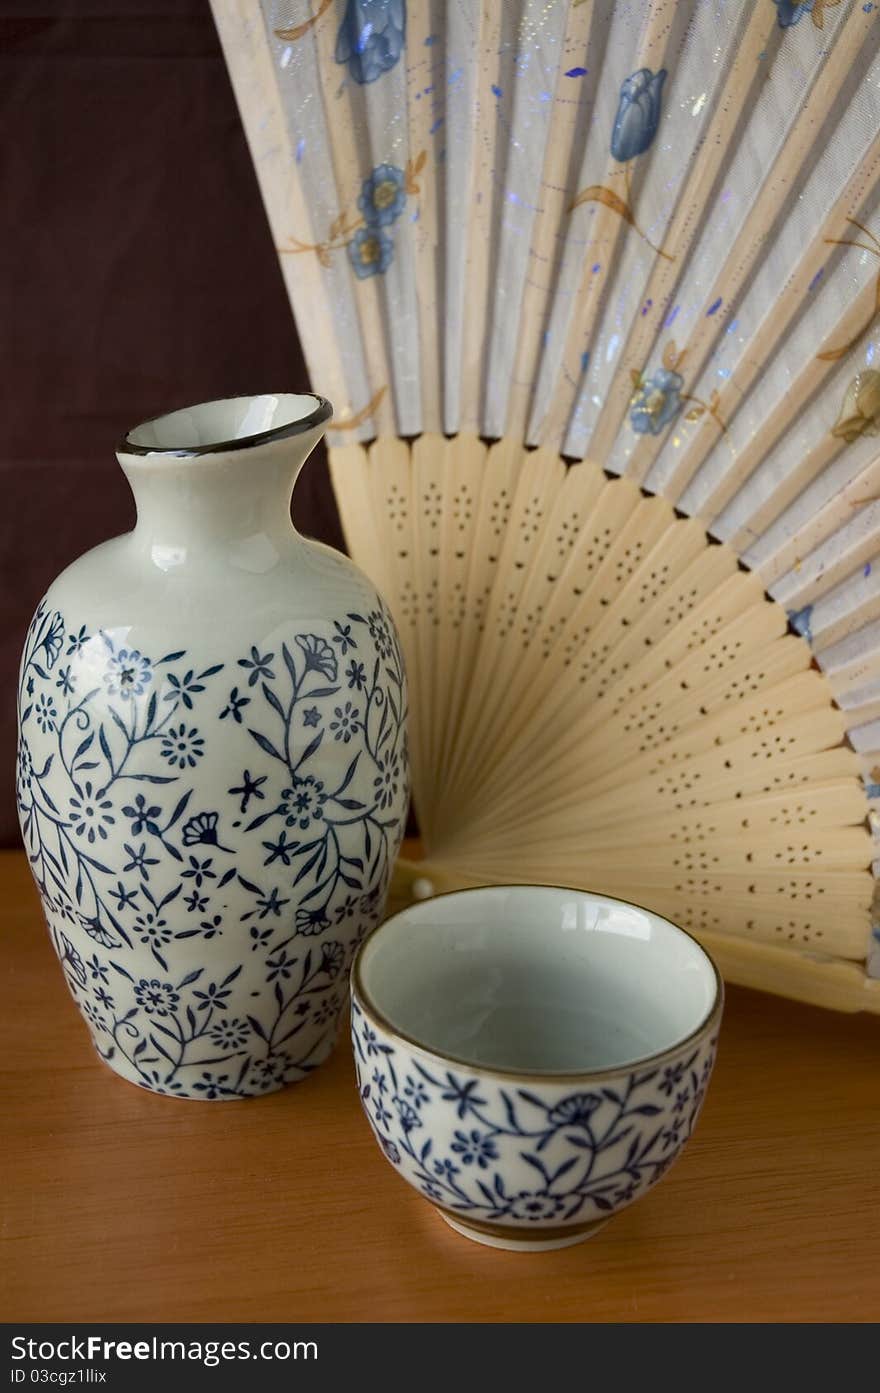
{"x":208,"y":946}
{"x":490,"y":1151}
{"x":371,"y":37}
{"x":655,"y":402}
{"x":638,"y":114}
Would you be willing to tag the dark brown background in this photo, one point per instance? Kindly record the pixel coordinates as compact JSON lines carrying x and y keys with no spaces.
{"x":138,"y":274}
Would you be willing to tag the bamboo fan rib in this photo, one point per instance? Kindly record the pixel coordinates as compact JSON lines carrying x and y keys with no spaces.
{"x":645,"y":236}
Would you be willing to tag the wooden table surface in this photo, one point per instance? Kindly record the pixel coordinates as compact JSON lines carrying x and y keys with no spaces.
{"x":117,"y":1205}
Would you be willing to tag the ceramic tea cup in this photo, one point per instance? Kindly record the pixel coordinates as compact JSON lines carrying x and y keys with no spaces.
{"x":532,"y":1059}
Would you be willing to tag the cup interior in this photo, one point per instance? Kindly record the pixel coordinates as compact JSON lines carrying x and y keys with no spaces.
{"x":214,"y":423}
{"x":531,"y":979}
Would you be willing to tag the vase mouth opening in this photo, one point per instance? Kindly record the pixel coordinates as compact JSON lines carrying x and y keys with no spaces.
{"x":231,"y":423}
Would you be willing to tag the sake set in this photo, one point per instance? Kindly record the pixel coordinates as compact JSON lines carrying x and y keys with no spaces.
{"x":213,"y":782}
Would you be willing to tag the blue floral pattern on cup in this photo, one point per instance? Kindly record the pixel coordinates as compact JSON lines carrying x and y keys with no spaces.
{"x":371,"y":37}
{"x":544,"y":1156}
{"x":207,"y":945}
{"x":638,"y":114}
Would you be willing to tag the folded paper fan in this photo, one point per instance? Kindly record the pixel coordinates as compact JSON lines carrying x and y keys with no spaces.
{"x":607,"y":698}
{"x":645,"y":241}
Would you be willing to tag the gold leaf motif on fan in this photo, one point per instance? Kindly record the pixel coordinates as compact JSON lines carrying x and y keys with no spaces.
{"x":832,"y":355}
{"x":671,"y":358}
{"x":817,"y":14}
{"x":365,"y":235}
{"x":296,"y":31}
{"x":860,"y":412}
{"x":352,"y":422}
{"x":599,"y":193}
{"x":414,"y":167}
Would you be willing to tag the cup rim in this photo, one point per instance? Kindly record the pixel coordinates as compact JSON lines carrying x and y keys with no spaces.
{"x":319,"y":416}
{"x":561,"y":1076}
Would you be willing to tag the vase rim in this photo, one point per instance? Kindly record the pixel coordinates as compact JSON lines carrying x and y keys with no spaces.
{"x":286,"y":428}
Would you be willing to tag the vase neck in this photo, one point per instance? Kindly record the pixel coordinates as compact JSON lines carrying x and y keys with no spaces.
{"x":231,"y":493}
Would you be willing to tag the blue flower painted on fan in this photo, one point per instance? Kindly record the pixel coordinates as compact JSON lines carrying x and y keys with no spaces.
{"x":370,"y":253}
{"x":371,"y":37}
{"x":383,"y":195}
{"x":638,"y":114}
{"x":790,"y":12}
{"x":801,"y":621}
{"x":655,"y":401}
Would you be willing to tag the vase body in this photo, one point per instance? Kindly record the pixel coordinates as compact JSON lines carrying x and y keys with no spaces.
{"x":212,"y":778}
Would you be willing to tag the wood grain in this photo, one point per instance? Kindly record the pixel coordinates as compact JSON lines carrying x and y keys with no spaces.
{"x":117,"y":1205}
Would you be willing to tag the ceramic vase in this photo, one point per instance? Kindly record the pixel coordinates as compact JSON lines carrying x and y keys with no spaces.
{"x":212,"y":768}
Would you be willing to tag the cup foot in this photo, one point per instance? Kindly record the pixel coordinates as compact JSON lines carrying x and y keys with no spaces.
{"x":496,"y":1237}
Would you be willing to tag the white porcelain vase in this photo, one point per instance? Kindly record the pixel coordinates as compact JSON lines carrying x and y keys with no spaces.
{"x":212,"y":767}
